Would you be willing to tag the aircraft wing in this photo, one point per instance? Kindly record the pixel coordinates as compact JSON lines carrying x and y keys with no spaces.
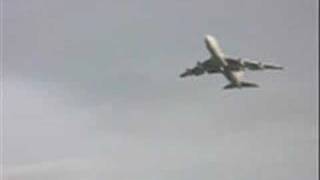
{"x":197,"y":71}
{"x":200,"y":69}
{"x":252,"y":65}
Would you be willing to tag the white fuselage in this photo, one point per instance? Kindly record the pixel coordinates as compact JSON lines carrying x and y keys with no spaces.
{"x":219,"y":58}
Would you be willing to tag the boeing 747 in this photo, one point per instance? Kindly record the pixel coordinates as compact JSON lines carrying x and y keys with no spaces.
{"x":232,"y":68}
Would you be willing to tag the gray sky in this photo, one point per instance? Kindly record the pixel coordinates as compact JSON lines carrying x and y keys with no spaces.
{"x":92,"y":90}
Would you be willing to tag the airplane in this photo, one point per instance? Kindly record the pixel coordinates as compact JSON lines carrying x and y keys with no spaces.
{"x":232,"y":68}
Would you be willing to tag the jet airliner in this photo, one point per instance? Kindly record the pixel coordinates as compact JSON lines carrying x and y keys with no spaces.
{"x":232,"y":68}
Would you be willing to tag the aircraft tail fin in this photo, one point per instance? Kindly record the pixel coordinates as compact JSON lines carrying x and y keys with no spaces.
{"x":242,"y":84}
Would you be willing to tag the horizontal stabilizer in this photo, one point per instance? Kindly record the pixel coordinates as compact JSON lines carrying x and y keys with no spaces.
{"x":248,"y":84}
{"x":242,"y":84}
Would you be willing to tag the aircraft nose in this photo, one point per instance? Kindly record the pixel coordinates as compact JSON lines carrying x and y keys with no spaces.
{"x":208,"y":38}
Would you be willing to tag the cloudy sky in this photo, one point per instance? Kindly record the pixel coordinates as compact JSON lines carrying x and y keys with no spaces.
{"x":92,"y":90}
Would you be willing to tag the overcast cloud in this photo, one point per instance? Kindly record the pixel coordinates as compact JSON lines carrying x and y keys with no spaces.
{"x":92,"y":90}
